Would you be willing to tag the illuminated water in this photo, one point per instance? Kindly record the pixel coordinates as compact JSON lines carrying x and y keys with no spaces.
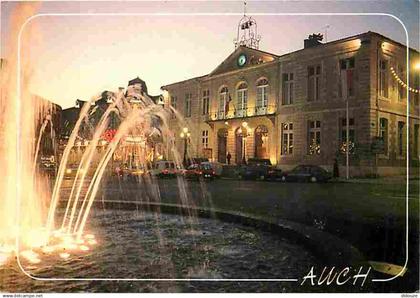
{"x":129,"y":246}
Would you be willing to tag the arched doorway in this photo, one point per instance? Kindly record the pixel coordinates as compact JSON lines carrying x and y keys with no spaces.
{"x":261,"y":142}
{"x":222,"y":144}
{"x":240,"y":145}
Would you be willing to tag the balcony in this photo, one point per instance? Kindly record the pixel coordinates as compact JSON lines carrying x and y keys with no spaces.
{"x":239,"y":113}
{"x":243,"y":113}
{"x":261,"y":110}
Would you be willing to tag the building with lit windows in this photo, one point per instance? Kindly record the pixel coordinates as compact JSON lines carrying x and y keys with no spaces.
{"x":292,"y":108}
{"x":132,"y":148}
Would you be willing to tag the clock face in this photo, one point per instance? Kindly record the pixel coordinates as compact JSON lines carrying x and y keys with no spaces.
{"x":241,"y":60}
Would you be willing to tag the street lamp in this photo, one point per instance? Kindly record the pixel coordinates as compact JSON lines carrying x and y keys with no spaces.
{"x":185,"y":134}
{"x":245,"y":134}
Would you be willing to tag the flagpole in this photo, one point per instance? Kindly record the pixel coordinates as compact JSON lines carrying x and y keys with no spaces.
{"x":345,"y":90}
{"x":347,"y":137}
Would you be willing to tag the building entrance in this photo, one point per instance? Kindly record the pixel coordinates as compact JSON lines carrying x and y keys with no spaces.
{"x":221,"y":145}
{"x":261,"y":142}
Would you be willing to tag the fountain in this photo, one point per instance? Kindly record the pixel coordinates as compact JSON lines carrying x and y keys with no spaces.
{"x":31,"y":222}
{"x":65,"y":237}
{"x":18,"y":130}
{"x":79,"y":237}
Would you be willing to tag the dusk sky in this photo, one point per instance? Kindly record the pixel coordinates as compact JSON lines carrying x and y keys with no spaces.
{"x":80,"y":56}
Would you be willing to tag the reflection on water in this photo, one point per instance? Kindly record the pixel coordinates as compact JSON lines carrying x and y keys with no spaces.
{"x":136,"y":244}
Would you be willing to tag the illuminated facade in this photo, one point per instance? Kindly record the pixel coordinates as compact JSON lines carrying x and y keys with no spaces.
{"x":292,"y":108}
{"x":133,"y":148}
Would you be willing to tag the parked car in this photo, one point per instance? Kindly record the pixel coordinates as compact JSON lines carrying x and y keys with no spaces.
{"x":257,"y":168}
{"x":307,"y":173}
{"x":274,"y":174}
{"x":216,"y":166}
{"x":199,"y":171}
{"x":164,"y":168}
{"x":196,"y":161}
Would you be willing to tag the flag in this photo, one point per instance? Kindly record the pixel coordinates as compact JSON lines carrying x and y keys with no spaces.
{"x":346,"y":82}
{"x":227,"y":105}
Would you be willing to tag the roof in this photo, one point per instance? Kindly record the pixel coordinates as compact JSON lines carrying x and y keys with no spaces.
{"x":183,"y":81}
{"x":138,"y":81}
{"x":156,"y":98}
{"x":240,"y":48}
{"x":230,"y":63}
{"x":360,"y":35}
{"x":391,"y":40}
{"x":260,"y":51}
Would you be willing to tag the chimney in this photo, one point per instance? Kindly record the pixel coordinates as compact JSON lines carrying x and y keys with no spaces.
{"x":313,"y":40}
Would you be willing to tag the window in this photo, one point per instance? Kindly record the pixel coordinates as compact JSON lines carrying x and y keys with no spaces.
{"x":188,"y":97}
{"x":314,"y":80}
{"x":287,"y":138}
{"x":206,"y":102}
{"x":287,"y":88}
{"x":314,"y":137}
{"x":173,"y":101}
{"x":416,"y":141}
{"x":242,"y":97}
{"x":347,"y":78}
{"x":262,"y":96}
{"x":173,"y":104}
{"x":401,"y":138}
{"x":223,"y":102}
{"x":205,"y":138}
{"x":402,"y":93}
{"x":383,"y":133}
{"x":343,"y":135}
{"x":383,"y":78}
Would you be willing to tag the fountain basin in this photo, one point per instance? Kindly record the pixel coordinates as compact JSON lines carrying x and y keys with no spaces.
{"x":136,"y":242}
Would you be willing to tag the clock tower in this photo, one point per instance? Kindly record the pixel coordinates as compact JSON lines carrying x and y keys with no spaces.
{"x":247,"y":34}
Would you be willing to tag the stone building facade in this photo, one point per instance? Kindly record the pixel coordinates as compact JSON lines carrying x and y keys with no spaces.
{"x":128,"y":151}
{"x":292,"y":108}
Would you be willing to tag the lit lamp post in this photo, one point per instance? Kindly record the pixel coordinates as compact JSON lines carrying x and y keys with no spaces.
{"x":244,"y":136}
{"x":185,"y":134}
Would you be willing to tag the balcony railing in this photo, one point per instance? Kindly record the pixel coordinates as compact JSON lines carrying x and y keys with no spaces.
{"x":261,"y":110}
{"x":241,"y":113}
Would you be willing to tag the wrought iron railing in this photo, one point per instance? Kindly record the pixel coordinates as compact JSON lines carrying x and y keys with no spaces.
{"x":241,"y":113}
